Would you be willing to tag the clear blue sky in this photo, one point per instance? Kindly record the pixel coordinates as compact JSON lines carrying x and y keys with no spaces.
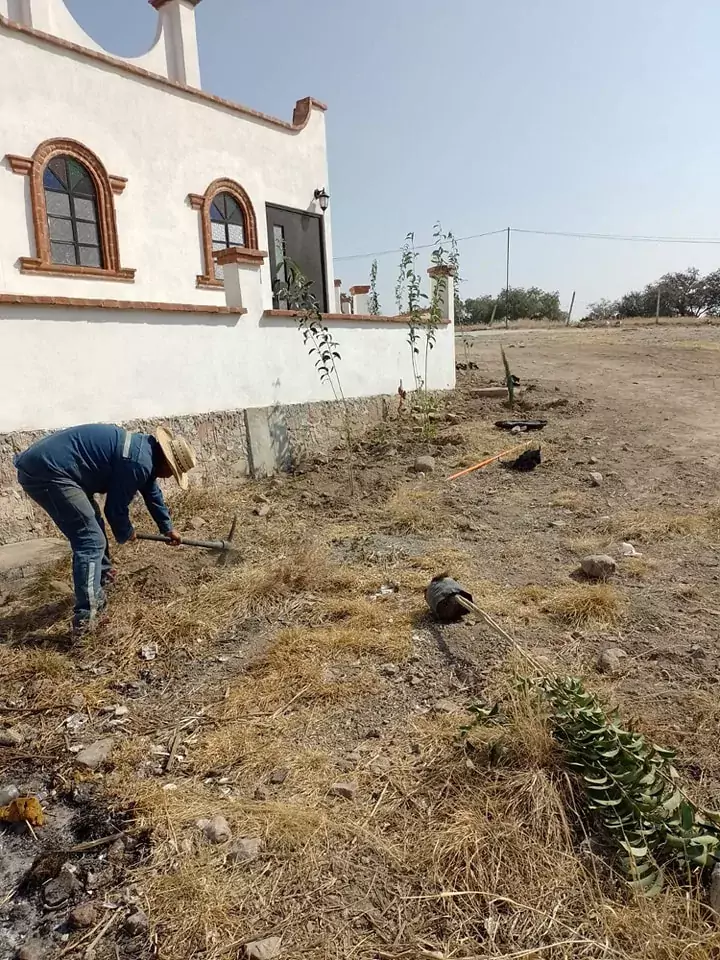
{"x":578,"y":115}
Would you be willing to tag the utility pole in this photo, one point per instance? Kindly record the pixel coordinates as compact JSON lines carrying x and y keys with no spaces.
{"x":572,"y":304}
{"x":507,"y":281}
{"x":657,"y":308}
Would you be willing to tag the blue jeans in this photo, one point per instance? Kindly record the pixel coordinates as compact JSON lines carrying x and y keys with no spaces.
{"x":78,"y":517}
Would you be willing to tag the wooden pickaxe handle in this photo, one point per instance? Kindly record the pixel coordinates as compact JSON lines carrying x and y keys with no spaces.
{"x":223,"y":545}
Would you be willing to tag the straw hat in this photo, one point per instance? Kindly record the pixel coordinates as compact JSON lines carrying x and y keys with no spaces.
{"x":178,"y":453}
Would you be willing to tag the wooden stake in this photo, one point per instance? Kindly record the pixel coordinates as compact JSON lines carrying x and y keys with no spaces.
{"x":485,"y":463}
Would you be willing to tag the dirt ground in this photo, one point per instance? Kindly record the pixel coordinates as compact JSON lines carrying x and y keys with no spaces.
{"x":304,"y":695}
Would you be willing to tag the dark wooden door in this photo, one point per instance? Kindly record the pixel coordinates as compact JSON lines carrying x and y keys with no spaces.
{"x":298,"y":236}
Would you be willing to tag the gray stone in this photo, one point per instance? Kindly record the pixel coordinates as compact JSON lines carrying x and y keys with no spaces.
{"x":628,"y":550}
{"x":62,"y":888}
{"x":598,"y":566}
{"x":279,"y":776}
{"x":592,"y":461}
{"x":11,"y":738}
{"x":30,"y":951}
{"x":558,"y":523}
{"x":266,"y":949}
{"x":216,"y":830}
{"x":390,"y":669}
{"x":197,"y":523}
{"x":595,"y":478}
{"x":714,"y":892}
{"x":245,"y":850}
{"x":116,"y":851}
{"x":347,"y":790}
{"x":262,"y":793}
{"x":8,"y":793}
{"x":94,"y":756}
{"x":610,"y":661}
{"x":84,"y":915}
{"x":61,"y":588}
{"x":424,"y":465}
{"x":263,"y":510}
{"x":137,"y":924}
{"x":446,"y":706}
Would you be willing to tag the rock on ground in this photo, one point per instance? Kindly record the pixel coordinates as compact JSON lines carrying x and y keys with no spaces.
{"x":30,"y":951}
{"x":348,"y":791}
{"x":714,"y":892}
{"x":610,"y":661}
{"x":84,"y":915}
{"x":628,"y":550}
{"x":266,"y":949}
{"x":424,"y":465}
{"x":595,"y":478}
{"x":245,"y":850}
{"x":216,"y":830}
{"x":598,"y":566}
{"x":62,"y":888}
{"x":137,"y":924}
{"x":11,"y":738}
{"x":94,"y":756}
{"x":8,"y":793}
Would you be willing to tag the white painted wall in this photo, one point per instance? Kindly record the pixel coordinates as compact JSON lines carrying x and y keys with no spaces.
{"x":53,"y":17}
{"x":167,"y":143}
{"x":59,"y":366}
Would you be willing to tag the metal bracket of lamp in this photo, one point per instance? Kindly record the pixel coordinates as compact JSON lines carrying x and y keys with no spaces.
{"x":323,"y":198}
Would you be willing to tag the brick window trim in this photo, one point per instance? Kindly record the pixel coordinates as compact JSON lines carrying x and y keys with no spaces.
{"x":106,"y":186}
{"x":81,"y":303}
{"x":202,"y":203}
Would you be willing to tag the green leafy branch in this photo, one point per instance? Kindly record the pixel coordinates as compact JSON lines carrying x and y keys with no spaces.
{"x":631,"y":788}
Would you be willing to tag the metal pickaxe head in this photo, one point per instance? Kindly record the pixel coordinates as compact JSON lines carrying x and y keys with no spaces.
{"x":227,"y":550}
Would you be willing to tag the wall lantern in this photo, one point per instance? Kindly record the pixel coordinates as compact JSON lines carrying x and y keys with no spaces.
{"x":323,"y":198}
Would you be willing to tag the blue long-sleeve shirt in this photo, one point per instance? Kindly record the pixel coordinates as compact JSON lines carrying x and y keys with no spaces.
{"x":102,"y":458}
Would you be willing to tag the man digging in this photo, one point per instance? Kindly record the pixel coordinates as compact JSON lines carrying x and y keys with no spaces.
{"x":63,"y":472}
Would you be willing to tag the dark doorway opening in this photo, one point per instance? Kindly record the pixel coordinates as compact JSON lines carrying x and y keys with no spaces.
{"x":298,"y":236}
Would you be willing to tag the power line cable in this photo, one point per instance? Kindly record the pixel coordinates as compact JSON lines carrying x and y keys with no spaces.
{"x":422,"y":246}
{"x":626,"y":238}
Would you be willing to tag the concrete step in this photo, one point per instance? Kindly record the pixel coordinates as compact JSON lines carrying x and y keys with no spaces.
{"x":25,"y":559}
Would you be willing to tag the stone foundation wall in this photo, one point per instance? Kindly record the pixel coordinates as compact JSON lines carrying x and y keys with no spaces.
{"x":219,"y":439}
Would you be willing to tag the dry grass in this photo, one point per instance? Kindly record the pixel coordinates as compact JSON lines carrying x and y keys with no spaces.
{"x":410,"y":510}
{"x":580,"y":604}
{"x":653,"y":525}
{"x":574,"y":500}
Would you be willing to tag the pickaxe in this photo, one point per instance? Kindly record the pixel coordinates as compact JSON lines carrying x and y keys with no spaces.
{"x":223,"y":548}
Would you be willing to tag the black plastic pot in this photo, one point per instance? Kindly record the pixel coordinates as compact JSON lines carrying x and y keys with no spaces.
{"x":441,"y":595}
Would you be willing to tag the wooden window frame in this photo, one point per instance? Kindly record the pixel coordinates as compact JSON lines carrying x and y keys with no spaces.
{"x":105,"y":187}
{"x":203,"y":203}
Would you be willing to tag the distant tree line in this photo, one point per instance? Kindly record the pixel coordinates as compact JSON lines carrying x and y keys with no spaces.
{"x":686,"y":293}
{"x":519,"y":303}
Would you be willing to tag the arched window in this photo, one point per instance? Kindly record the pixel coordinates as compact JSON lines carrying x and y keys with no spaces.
{"x":227,"y":225}
{"x":227,"y":219}
{"x":73,"y":212}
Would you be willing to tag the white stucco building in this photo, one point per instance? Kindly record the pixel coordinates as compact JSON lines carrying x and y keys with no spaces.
{"x":120,"y":182}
